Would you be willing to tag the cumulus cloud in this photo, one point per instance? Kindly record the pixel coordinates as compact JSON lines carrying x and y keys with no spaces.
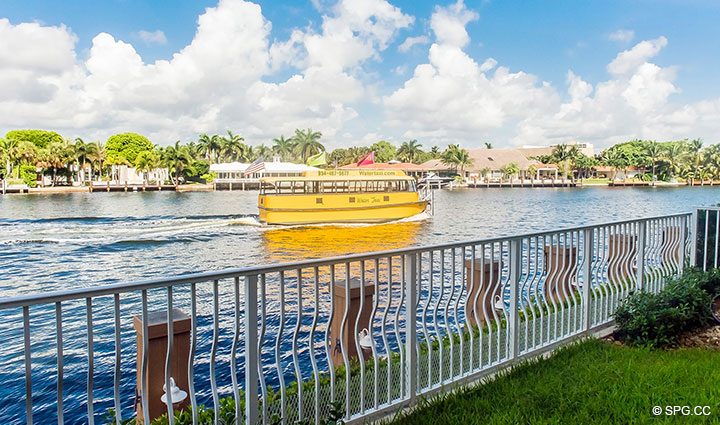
{"x":214,"y":83}
{"x":412,"y":41}
{"x":227,"y":77}
{"x":624,"y":36}
{"x":152,"y":37}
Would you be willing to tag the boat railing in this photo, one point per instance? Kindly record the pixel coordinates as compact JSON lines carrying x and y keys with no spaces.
{"x":370,"y":333}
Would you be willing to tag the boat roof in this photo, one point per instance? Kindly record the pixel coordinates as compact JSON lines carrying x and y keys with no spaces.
{"x":343,"y":175}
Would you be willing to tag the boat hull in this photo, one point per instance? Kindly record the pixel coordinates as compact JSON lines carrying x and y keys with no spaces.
{"x":284,"y":210}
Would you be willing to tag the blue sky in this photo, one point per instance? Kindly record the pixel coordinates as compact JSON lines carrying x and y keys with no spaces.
{"x":543,"y":39}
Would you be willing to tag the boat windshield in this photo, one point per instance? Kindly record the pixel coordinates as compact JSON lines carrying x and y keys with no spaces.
{"x":329,"y":186}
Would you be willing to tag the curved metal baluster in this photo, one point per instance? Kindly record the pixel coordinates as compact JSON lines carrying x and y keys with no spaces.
{"x":328,"y":339}
{"x":436,"y":321}
{"x":457,"y":307}
{"x":191,"y":356}
{"x":233,"y":350}
{"x":60,"y":372}
{"x":343,"y":348}
{"x":278,"y":339}
{"x":475,"y":287}
{"x":469,"y":282}
{"x":490,"y":291}
{"x":313,"y":361}
{"x":376,"y":366}
{"x":296,"y":360}
{"x":356,"y":336}
{"x":428,"y":341}
{"x":448,"y":327}
{"x":383,"y":330}
{"x":537,"y":298}
{"x":396,"y":325}
{"x":261,"y":339}
{"x":213,"y":351}
{"x":528,"y":310}
{"x":168,"y":355}
{"x":445,"y":318}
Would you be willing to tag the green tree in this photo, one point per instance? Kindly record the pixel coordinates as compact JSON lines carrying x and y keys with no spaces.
{"x":145,"y":162}
{"x":654,"y":153}
{"x":39,"y":138}
{"x":284,"y":148}
{"x":456,"y":157}
{"x":510,"y":170}
{"x":176,"y":158}
{"x":384,"y":151}
{"x":409,"y":151}
{"x":97,"y":155}
{"x":210,"y":146}
{"x":233,"y":148}
{"x":307,"y":143}
{"x":125,"y":147}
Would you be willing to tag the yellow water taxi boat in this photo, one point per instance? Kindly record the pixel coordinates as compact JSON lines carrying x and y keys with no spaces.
{"x":339,"y":196}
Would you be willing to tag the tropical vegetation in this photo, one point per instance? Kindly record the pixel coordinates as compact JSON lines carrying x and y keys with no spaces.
{"x":27,"y":154}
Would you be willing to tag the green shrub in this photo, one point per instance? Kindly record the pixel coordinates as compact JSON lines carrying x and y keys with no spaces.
{"x":28,"y":174}
{"x":657,"y":320}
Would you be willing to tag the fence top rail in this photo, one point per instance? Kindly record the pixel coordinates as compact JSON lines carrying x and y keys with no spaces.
{"x":125,"y":287}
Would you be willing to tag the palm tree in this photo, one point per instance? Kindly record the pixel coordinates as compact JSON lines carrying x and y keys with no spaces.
{"x":674,"y":154}
{"x":145,"y":162}
{"x":232,"y":148}
{"x":176,"y":158}
{"x":210,"y":146}
{"x":96,"y":154}
{"x":283,"y":147}
{"x":57,"y":155}
{"x":307,"y":143}
{"x":488,"y":145}
{"x":457,"y":158}
{"x":510,"y":171}
{"x":653,"y":152}
{"x":8,"y":149}
{"x":81,"y":151}
{"x":409,"y":151}
{"x":261,"y":151}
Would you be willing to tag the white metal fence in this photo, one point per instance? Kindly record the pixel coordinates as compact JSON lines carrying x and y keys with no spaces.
{"x":371,"y":332}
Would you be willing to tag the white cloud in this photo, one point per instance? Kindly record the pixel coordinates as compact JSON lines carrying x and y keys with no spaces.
{"x":152,"y":37}
{"x":454,"y":99}
{"x":448,"y":24}
{"x":624,"y":36}
{"x":212,"y":84}
{"x":412,"y":41}
{"x":227,"y":78}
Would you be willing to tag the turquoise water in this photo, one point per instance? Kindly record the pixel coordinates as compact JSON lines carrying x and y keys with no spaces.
{"x":79,"y":240}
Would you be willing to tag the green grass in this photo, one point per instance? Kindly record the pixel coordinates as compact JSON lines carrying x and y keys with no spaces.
{"x":589,"y":382}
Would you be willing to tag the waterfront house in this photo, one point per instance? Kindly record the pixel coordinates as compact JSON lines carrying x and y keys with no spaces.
{"x":244,"y":176}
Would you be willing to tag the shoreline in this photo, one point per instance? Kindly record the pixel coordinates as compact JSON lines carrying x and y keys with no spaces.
{"x":61,"y":190}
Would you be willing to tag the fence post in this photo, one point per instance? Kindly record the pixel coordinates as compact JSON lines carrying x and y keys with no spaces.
{"x":640,"y":255}
{"x":514,"y":281}
{"x":251,"y":350}
{"x":588,"y":242}
{"x":411,"y":282}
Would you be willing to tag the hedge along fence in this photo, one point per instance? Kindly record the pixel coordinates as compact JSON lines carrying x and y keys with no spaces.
{"x":658,"y":319}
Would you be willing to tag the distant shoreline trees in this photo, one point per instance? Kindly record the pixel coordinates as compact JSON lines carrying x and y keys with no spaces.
{"x":24,"y":153}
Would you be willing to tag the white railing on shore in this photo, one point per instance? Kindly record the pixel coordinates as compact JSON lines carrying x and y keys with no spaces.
{"x":289,"y":339}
